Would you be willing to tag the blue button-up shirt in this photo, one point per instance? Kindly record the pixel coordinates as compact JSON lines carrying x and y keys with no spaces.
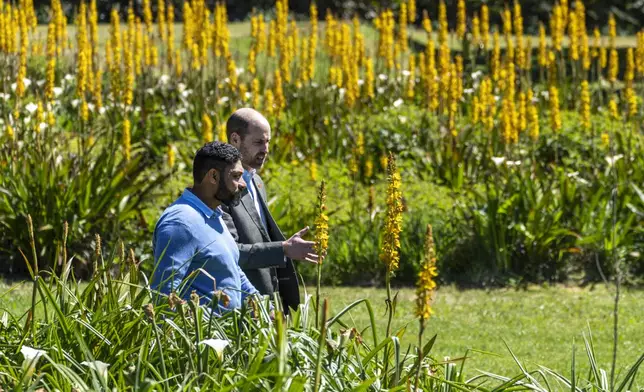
{"x":190,"y":236}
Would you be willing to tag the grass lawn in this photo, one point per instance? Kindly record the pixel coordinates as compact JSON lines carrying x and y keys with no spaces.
{"x":538,"y":324}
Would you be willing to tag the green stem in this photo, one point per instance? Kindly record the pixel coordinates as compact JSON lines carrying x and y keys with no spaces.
{"x":420,"y":352}
{"x":390,"y":314}
{"x":317,"y":297}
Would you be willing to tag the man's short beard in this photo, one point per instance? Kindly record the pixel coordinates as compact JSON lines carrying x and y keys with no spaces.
{"x":228,"y":198}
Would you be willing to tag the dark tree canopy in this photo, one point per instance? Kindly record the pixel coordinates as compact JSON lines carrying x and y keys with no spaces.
{"x":628,"y":13}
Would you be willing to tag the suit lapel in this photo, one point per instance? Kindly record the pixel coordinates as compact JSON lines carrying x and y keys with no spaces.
{"x":249,"y":205}
{"x":270,"y":222}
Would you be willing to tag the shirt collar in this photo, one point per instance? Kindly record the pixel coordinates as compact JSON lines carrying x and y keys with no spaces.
{"x":196,"y":202}
{"x":248,"y":175}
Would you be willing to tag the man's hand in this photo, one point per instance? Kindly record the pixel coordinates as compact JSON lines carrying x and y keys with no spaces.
{"x":297,"y":248}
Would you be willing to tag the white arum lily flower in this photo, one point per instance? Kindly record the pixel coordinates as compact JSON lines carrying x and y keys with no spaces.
{"x":498,"y":160}
{"x":31,"y":107}
{"x":406,"y":72}
{"x":58,"y":91}
{"x":69,"y":77}
{"x":341,"y":92}
{"x":402,"y":119}
{"x":360,"y":82}
{"x":26,"y":82}
{"x":382,"y":77}
{"x":513,"y":163}
{"x":380,"y":90}
{"x":239,"y":71}
{"x":398,"y":102}
{"x":164,"y":79}
{"x":223,"y":100}
{"x":218,"y":345}
{"x":612,"y":160}
{"x":31,"y":359}
{"x":75,"y":103}
{"x":181,"y":87}
{"x":98,"y":366}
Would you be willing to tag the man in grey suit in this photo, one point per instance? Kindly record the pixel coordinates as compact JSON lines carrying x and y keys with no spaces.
{"x":266,"y":256}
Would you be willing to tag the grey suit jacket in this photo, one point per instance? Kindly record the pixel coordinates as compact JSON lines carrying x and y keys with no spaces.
{"x":261,"y":254}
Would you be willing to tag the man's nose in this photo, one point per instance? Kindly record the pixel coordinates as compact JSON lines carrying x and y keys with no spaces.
{"x":264,"y":148}
{"x":242,"y":184}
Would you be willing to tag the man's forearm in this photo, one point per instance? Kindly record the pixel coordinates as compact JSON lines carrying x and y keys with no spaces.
{"x":261,"y":255}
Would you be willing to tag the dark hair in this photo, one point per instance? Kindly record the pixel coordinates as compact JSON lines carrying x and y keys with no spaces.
{"x":237,"y":124}
{"x":213,"y":155}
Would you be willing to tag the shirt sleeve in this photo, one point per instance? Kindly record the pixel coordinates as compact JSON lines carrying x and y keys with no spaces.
{"x":247,"y":288}
{"x":174,"y":249}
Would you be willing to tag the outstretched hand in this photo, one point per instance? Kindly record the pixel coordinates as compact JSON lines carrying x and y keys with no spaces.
{"x":297,"y":248}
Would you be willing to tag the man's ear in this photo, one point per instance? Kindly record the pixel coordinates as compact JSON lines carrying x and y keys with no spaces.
{"x":214,"y":175}
{"x":234,"y":139}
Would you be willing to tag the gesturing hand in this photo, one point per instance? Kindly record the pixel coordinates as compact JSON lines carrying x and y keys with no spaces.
{"x":297,"y":248}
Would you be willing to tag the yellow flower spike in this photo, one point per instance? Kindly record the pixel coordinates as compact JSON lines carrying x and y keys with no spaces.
{"x":390,"y":252}
{"x":402,"y":28}
{"x":476,"y":111}
{"x":411,"y":80}
{"x":605,"y":140}
{"x":161,"y":22}
{"x":170,"y":40}
{"x":495,"y":60}
{"x":383,"y":161}
{"x":631,"y":102}
{"x":369,"y":79}
{"x":255,"y":92}
{"x":612,"y":30}
{"x":321,"y":226}
{"x":269,"y":104}
{"x":425,"y":284}
{"x":612,"y":109}
{"x":127,"y":148}
{"x":585,"y":105}
{"x":50,"y":73}
{"x":51,"y":119}
{"x":411,"y":9}
{"x":313,"y":170}
{"x":427,"y":24}
{"x":461,"y":19}
{"x":280,"y":102}
{"x":534,"y":122}
{"x":171,"y":156}
{"x":574,"y":39}
{"x":221,"y":132}
{"x":206,"y":128}
{"x":368,"y":168}
{"x":476,"y":30}
{"x":555,"y":115}
{"x":613,"y":67}
{"x":9,"y":131}
{"x":442,"y":22}
{"x":485,"y":25}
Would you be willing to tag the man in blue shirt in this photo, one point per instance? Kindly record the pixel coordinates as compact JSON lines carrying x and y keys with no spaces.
{"x":193,"y":249}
